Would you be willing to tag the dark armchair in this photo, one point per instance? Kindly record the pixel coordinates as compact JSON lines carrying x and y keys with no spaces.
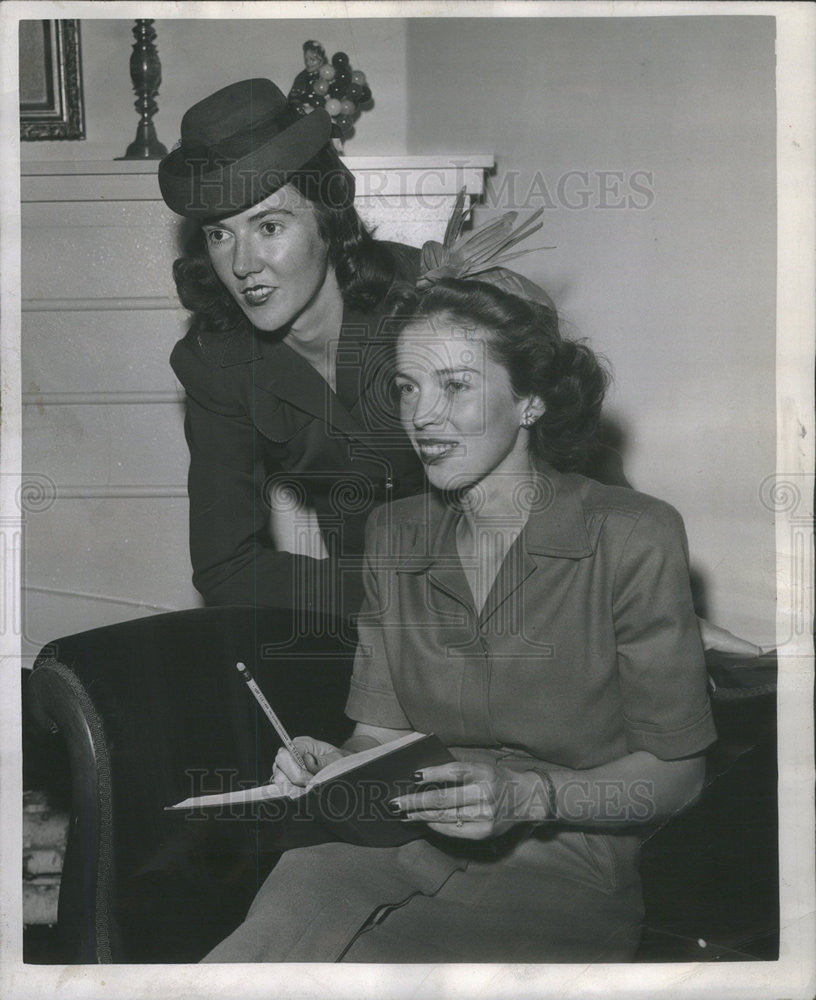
{"x":153,"y":710}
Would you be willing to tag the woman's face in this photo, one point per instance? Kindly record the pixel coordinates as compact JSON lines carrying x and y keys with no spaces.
{"x":271,"y":258}
{"x":457,"y":405}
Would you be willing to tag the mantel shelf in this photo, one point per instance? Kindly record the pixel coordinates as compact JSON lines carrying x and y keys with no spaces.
{"x":42,"y":168}
{"x":376,"y":176}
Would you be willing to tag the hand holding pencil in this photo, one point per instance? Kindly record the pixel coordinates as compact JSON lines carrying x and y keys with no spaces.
{"x":316,"y":755}
{"x":293,"y":765}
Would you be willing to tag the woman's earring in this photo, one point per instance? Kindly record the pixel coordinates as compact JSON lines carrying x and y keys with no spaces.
{"x":531,"y":415}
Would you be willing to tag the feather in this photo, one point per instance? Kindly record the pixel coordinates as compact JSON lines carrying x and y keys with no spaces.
{"x":500,"y":236}
{"x":456,"y":220}
{"x":433,"y":254}
{"x":489,"y":265}
{"x":461,"y":256}
{"x":500,"y":252}
{"x":488,"y":235}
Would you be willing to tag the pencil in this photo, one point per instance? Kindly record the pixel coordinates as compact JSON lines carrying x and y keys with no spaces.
{"x":276,"y":722}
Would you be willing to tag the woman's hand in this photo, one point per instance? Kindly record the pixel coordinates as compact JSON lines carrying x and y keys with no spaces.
{"x":316,"y":754}
{"x":724,"y":641}
{"x":293,"y":524}
{"x":479,"y":800}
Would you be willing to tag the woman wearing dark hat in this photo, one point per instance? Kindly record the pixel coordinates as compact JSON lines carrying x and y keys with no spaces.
{"x":286,"y":406}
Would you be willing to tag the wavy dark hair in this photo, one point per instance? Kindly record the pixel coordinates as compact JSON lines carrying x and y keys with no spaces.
{"x":364,"y":266}
{"x":524,"y":338}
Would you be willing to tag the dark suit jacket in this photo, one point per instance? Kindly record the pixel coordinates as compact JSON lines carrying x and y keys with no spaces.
{"x":258,"y":414}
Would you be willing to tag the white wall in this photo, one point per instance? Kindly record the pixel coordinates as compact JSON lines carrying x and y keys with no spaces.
{"x":679,"y":295}
{"x":200,"y":56}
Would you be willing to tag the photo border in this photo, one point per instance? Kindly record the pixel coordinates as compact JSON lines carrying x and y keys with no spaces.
{"x":792,"y":975}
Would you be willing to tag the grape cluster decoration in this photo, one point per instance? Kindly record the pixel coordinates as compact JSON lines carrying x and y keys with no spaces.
{"x":335,"y":86}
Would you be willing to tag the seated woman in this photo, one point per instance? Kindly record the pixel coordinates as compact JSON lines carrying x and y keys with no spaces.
{"x":541,"y":624}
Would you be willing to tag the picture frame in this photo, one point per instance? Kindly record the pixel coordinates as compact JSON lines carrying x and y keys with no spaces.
{"x":51,"y":98}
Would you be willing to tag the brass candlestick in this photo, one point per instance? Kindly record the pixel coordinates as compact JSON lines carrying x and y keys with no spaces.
{"x":145,"y":72}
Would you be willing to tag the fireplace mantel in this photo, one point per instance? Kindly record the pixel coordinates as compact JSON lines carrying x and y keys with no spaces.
{"x":407,"y":198}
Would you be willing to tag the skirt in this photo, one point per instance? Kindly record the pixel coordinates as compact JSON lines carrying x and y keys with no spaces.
{"x":542,"y":899}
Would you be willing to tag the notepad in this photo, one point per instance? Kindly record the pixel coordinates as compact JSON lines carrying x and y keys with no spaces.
{"x":347,"y":798}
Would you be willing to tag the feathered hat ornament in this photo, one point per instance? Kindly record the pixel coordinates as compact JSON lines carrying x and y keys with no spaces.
{"x":483,"y":253}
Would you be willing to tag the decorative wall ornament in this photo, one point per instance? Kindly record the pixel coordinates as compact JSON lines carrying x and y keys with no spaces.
{"x":332,"y":85}
{"x":51,"y":102}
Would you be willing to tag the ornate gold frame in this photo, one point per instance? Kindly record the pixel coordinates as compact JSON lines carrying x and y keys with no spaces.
{"x":60,"y":113}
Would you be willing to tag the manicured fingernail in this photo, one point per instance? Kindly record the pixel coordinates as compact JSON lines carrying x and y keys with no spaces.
{"x":394,"y":807}
{"x":418,"y":775}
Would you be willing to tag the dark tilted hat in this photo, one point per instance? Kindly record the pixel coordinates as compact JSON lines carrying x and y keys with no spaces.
{"x":238,"y":146}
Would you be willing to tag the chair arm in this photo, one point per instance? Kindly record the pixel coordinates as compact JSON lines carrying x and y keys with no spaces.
{"x":59,"y":702}
{"x":153,"y":710}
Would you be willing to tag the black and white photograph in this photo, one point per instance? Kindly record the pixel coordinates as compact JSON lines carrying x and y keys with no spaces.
{"x":407,"y":500}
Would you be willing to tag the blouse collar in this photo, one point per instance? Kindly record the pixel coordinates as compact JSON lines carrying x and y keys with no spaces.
{"x":556,"y":525}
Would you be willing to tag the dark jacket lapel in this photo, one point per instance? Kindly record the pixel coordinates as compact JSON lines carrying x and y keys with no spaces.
{"x":279,"y":374}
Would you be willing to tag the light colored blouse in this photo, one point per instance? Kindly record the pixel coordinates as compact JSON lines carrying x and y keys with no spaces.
{"x":587,"y":647}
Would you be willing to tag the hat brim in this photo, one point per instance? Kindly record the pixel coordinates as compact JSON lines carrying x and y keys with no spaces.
{"x":234,"y":185}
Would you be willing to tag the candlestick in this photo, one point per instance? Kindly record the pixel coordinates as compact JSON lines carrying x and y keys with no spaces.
{"x":145,"y":72}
